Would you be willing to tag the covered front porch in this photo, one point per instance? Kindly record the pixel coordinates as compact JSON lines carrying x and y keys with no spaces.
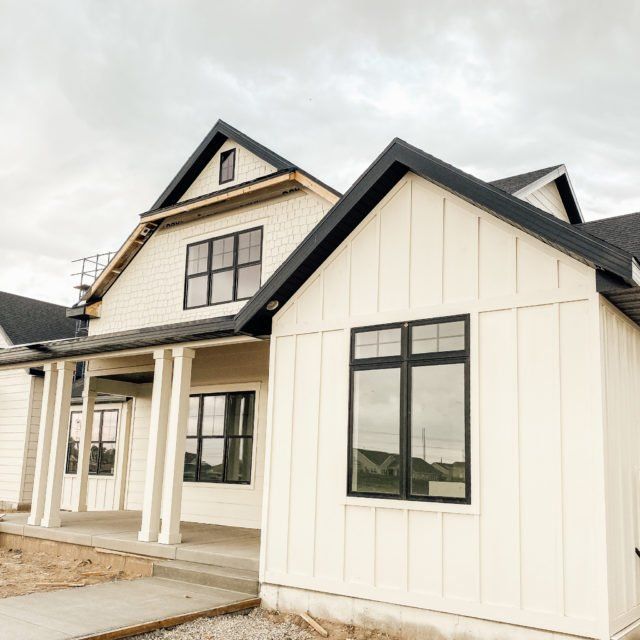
{"x":216,"y":545}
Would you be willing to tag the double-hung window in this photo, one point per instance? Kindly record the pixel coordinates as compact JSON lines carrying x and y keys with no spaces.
{"x":409,"y":411}
{"x":219,"y":444}
{"x":104,"y":435}
{"x":223,"y":269}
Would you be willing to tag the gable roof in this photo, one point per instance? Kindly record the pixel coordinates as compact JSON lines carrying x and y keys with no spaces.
{"x":621,"y":231}
{"x":26,"y":320}
{"x":199,"y":159}
{"x":523,"y":184}
{"x":398,"y":158}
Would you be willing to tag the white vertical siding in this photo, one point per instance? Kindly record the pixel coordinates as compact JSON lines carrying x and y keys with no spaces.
{"x":523,"y":552}
{"x":548,"y":199}
{"x":621,"y":391}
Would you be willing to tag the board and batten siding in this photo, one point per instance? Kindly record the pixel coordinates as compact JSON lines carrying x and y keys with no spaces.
{"x":528,"y":550}
{"x":621,"y":392}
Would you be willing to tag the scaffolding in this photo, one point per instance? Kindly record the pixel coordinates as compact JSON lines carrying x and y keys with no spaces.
{"x":90,"y":268}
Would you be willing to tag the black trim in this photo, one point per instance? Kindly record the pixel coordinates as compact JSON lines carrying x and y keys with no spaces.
{"x":231,"y":153}
{"x":398,"y":158}
{"x":405,"y":362}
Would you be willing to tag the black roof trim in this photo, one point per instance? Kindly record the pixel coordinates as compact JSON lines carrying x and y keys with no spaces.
{"x":198,"y":160}
{"x":398,"y":158}
{"x":119,"y":341}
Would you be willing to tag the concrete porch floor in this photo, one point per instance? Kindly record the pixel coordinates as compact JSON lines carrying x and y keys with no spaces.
{"x":118,"y":531}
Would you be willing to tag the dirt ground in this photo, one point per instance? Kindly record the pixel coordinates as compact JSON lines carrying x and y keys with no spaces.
{"x":23,"y":572}
{"x":260,"y":624}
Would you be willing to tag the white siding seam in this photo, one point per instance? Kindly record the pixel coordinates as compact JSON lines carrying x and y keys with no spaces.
{"x":562,"y":557}
{"x":315,"y":485}
{"x":518,"y":439}
{"x":292,"y":427}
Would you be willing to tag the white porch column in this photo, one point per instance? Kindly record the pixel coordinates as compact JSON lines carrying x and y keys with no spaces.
{"x":176,"y":434}
{"x":160,"y":396}
{"x":84,"y":445}
{"x":44,"y":444}
{"x":59,"y":438}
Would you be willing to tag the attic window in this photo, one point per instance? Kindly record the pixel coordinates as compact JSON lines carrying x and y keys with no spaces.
{"x":227,"y":166}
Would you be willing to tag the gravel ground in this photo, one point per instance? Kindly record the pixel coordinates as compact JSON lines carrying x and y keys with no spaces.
{"x":256,"y":625}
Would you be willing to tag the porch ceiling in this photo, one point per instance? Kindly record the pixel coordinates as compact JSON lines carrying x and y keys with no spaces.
{"x":108,"y":343}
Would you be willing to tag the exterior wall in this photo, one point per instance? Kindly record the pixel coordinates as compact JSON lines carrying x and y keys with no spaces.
{"x":102,"y":491}
{"x":248,"y":167}
{"x":226,"y":368}
{"x":150,"y":291}
{"x":529,"y":550}
{"x":548,"y":199}
{"x":17,"y":446}
{"x":621,"y":391}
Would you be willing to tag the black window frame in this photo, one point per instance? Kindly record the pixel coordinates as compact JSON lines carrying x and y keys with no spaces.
{"x":223,"y":156}
{"x":210,"y":271}
{"x":225,"y":436}
{"x":98,"y":442}
{"x":405,"y":362}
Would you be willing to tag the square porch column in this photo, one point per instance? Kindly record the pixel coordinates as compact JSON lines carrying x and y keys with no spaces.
{"x":84,"y":445}
{"x":176,"y":434}
{"x":44,"y":444}
{"x":59,"y":439}
{"x":160,"y":397}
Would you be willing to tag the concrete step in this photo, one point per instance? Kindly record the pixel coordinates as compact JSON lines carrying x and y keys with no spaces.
{"x":229,"y":578}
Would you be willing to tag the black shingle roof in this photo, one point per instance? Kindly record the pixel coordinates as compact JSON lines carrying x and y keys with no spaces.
{"x":621,"y":231}
{"x":513,"y":184}
{"x":26,"y":320}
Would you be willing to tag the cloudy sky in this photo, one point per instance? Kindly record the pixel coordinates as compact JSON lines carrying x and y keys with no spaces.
{"x":102,"y":102}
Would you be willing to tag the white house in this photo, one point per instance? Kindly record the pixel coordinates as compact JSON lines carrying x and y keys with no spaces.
{"x":423,"y":392}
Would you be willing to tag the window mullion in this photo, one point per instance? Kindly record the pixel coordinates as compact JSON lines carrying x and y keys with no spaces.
{"x":199,"y":437}
{"x":225,"y":435}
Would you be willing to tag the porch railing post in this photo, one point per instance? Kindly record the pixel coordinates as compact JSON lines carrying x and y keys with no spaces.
{"x":160,"y":397}
{"x":84,"y":445}
{"x":44,"y":444}
{"x":59,"y":439}
{"x":176,"y":434}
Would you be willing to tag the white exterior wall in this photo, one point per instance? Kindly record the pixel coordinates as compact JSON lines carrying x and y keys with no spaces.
{"x":248,"y":167}
{"x":150,"y":290}
{"x":226,"y":368}
{"x":548,"y":199}
{"x":20,"y":397}
{"x":529,"y":550}
{"x":621,"y":391}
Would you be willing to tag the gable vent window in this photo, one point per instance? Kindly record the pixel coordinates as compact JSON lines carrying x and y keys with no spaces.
{"x":227,"y":166}
{"x":223,"y":269}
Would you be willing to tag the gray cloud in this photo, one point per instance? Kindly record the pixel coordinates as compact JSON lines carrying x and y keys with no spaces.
{"x":102,"y":102}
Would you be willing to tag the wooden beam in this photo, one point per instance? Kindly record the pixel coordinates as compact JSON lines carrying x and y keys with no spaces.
{"x":318,"y":189}
{"x":117,"y":387}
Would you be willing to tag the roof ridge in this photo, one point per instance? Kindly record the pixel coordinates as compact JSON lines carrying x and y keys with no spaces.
{"x":622,"y":215}
{"x":38,"y":300}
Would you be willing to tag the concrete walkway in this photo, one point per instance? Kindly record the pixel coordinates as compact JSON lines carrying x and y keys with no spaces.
{"x":87,"y":611}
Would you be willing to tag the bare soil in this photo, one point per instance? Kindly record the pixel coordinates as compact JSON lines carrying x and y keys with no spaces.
{"x":23,"y":572}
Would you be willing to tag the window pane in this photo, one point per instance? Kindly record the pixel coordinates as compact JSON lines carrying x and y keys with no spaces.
{"x":249,"y":246}
{"x":190,"y":459}
{"x":74,"y":427}
{"x":248,"y":281}
{"x":211,"y":465}
{"x":432,"y":338}
{"x":107,"y":459}
{"x":239,"y":459}
{"x":222,"y":253}
{"x":198,"y":258}
{"x":240,"y":416}
{"x":93,"y":458}
{"x":376,"y":344}
{"x":227,"y":161}
{"x":222,"y":286}
{"x":95,"y":428}
{"x":72,"y":457}
{"x":197,"y":291}
{"x":109,"y":426}
{"x":213,"y":409}
{"x":438,"y":431}
{"x":376,"y":431}
{"x":192,"y":422}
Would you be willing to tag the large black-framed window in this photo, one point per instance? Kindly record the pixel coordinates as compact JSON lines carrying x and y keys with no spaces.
{"x":409,"y":415}
{"x":104,"y":435}
{"x":223,"y":269}
{"x":227,"y":166}
{"x":219,"y":445}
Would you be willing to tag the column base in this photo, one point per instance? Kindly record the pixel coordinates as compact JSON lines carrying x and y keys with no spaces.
{"x":147,"y":536}
{"x":33,"y":521}
{"x":170,"y":538}
{"x":51,"y":523}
